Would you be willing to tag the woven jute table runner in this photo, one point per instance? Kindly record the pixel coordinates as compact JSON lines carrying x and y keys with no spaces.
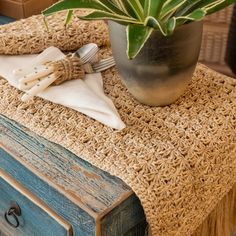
{"x":180,"y":160}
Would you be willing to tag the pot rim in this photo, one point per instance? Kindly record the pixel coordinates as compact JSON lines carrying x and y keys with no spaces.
{"x":180,"y":27}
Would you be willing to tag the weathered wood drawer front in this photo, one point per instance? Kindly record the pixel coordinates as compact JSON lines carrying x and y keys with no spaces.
{"x":92,"y":201}
{"x":82,"y":223}
{"x":36,"y":218}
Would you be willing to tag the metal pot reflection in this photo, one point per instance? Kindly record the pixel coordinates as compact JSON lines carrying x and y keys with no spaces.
{"x":162,"y":70}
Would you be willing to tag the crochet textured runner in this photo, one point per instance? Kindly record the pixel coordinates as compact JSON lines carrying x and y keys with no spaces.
{"x":180,"y":159}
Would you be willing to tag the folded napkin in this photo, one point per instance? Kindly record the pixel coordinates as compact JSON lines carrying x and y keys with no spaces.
{"x":86,"y":96}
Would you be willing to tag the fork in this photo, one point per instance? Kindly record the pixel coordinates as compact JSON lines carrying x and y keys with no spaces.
{"x":100,"y":66}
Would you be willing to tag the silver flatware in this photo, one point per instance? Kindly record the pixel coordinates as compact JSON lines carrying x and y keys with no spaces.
{"x":100,"y":66}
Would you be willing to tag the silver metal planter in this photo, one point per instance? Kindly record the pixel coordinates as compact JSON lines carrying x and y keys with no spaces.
{"x":162,"y":70}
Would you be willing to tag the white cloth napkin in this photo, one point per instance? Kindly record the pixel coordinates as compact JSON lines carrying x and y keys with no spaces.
{"x":86,"y":96}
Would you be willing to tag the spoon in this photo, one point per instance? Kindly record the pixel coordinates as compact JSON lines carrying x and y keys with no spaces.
{"x":87,"y":52}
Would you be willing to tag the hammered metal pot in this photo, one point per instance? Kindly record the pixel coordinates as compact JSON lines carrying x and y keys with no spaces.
{"x":162,"y":70}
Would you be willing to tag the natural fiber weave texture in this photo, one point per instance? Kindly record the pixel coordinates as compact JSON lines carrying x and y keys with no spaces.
{"x":29,"y":36}
{"x":180,"y":159}
{"x":66,"y":69}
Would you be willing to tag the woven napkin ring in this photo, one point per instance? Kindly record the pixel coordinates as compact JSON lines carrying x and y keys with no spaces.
{"x":67,"y":69}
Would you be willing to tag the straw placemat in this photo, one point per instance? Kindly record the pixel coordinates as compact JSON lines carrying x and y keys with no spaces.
{"x":180,"y":160}
{"x":29,"y":36}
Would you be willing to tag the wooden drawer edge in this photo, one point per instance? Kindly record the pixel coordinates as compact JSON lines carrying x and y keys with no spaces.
{"x":72,"y":198}
{"x":36,"y":201}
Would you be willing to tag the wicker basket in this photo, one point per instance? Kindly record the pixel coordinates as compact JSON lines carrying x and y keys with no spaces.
{"x":215,"y":35}
{"x":214,"y":44}
{"x":221,"y":17}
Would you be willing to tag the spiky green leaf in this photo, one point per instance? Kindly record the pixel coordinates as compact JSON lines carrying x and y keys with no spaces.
{"x":219,"y":6}
{"x":137,"y":8}
{"x":102,"y":5}
{"x":154,"y":23}
{"x":72,"y":4}
{"x":142,"y":16}
{"x":68,"y":17}
{"x":102,"y":15}
{"x":196,"y":15}
{"x":120,"y":4}
{"x":170,"y":26}
{"x":137,"y":35}
{"x":171,"y":6}
{"x":142,"y":2}
{"x":187,"y":7}
{"x":153,"y":8}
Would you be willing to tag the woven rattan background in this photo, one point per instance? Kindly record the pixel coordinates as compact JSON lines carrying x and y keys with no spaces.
{"x":214,"y":41}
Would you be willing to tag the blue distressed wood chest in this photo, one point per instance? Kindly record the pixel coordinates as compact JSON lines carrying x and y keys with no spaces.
{"x":46,"y":190}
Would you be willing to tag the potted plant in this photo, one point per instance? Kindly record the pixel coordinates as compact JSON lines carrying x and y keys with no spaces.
{"x":156,"y":43}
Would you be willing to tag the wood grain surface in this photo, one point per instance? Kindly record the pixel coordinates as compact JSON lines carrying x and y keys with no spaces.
{"x":91,"y":200}
{"x":36,"y":218}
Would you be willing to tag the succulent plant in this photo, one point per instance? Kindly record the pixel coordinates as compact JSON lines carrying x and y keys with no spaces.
{"x":142,"y":16}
